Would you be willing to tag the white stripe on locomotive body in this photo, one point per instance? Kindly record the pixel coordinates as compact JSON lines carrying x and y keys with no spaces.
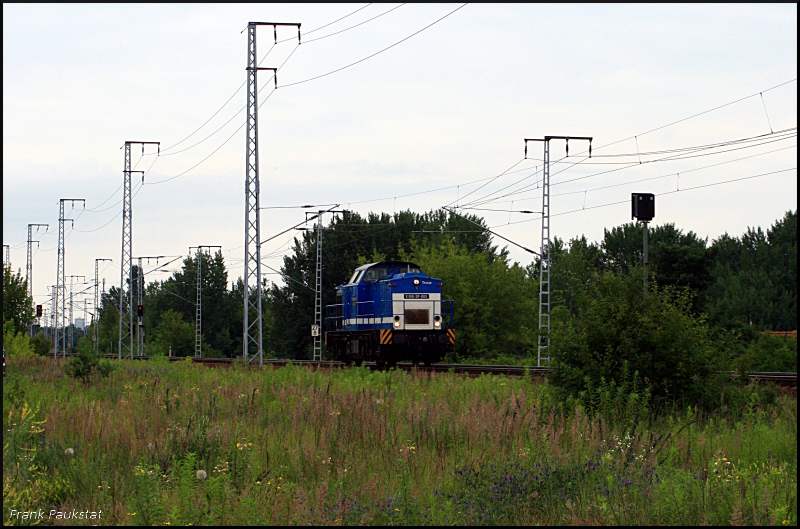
{"x":368,"y":321}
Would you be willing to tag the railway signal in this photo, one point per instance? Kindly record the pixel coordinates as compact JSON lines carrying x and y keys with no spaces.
{"x":643,"y":209}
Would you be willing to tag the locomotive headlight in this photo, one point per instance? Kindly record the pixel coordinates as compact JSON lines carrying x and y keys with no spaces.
{"x":397,"y":322}
{"x":416,"y":281}
{"x":437,"y":321}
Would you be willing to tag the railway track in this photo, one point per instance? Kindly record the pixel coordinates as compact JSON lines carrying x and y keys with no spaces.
{"x":782,"y":379}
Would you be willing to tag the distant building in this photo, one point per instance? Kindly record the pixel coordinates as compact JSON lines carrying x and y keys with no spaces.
{"x":79,"y":323}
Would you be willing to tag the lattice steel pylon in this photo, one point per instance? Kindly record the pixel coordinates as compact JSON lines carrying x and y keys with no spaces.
{"x":7,"y":258}
{"x":126,"y":263}
{"x":198,"y":325}
{"x":545,"y":262}
{"x":253,"y":330}
{"x":29,"y":263}
{"x":96,"y":316}
{"x":139,"y":322}
{"x":317,"y":334}
{"x":71,"y":320}
{"x":51,"y":315}
{"x":61,"y":288}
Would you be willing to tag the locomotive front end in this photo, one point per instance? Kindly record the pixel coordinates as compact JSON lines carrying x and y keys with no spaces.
{"x":390,"y":312}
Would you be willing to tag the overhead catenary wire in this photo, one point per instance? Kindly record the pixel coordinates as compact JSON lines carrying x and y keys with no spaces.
{"x":782,"y":135}
{"x":667,"y":175}
{"x":685,"y":119}
{"x":696,"y":115}
{"x":627,"y":200}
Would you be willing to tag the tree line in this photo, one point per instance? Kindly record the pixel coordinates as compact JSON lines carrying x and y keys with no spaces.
{"x":741,"y":284}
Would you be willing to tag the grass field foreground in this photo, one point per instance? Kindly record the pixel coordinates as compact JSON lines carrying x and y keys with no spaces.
{"x":159,"y":443}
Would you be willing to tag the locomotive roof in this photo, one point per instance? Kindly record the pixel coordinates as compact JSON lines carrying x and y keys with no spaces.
{"x":387,"y":263}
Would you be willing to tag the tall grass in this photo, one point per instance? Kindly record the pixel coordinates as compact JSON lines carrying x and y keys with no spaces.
{"x":298,"y":445}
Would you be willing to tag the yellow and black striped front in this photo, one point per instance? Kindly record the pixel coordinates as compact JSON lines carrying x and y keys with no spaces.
{"x":386,"y":336}
{"x":451,"y":333}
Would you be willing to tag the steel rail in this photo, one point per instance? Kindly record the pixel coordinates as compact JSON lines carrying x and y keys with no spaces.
{"x":780,"y":378}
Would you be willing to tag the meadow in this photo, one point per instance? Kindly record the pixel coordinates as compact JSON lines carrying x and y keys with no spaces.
{"x":167,"y":444}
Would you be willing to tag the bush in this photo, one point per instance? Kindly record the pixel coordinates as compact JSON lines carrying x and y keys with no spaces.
{"x":87,"y":363}
{"x":769,"y":353}
{"x":81,"y":366}
{"x":41,"y":345}
{"x":672,"y":350}
{"x":15,"y":343}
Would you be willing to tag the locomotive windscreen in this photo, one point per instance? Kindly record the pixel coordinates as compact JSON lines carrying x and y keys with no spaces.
{"x":417,"y":317}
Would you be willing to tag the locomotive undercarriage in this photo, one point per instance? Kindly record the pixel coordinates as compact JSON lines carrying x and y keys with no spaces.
{"x":388,"y":347}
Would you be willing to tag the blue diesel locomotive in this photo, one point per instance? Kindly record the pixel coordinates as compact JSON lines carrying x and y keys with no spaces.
{"x":390,"y":312}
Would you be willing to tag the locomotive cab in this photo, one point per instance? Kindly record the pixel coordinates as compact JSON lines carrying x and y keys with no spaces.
{"x":390,"y":311}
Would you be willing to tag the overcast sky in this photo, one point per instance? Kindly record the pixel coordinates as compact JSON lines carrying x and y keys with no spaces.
{"x":427,"y":118}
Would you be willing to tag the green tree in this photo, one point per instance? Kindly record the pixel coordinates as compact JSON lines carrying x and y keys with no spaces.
{"x":676,"y":259}
{"x":495,"y":302}
{"x":179,"y":294}
{"x":753,"y":279}
{"x":108,"y":323}
{"x":17,"y":304}
{"x":175,"y":334}
{"x":782,"y":238}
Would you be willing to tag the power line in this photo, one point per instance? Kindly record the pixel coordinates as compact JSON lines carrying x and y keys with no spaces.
{"x":164,"y":153}
{"x":782,"y":135}
{"x":300,"y":82}
{"x":627,"y":200}
{"x":642,"y":179}
{"x":330,"y":23}
{"x":374,"y":54}
{"x":351,"y":27}
{"x":698,"y":114}
{"x":672,"y":123}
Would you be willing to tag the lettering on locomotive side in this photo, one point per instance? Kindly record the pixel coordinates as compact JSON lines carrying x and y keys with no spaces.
{"x":415,"y":296}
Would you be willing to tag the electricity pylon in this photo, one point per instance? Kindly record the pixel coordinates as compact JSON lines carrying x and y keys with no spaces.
{"x":253,"y":331}
{"x":61,"y":288}
{"x":96,"y":317}
{"x":316,"y":330}
{"x":545,"y":262}
{"x":71,"y":321}
{"x":198,"y":323}
{"x":126,"y":263}
{"x":29,"y":265}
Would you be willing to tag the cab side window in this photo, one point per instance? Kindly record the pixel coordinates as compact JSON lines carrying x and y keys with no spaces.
{"x":374,"y":274}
